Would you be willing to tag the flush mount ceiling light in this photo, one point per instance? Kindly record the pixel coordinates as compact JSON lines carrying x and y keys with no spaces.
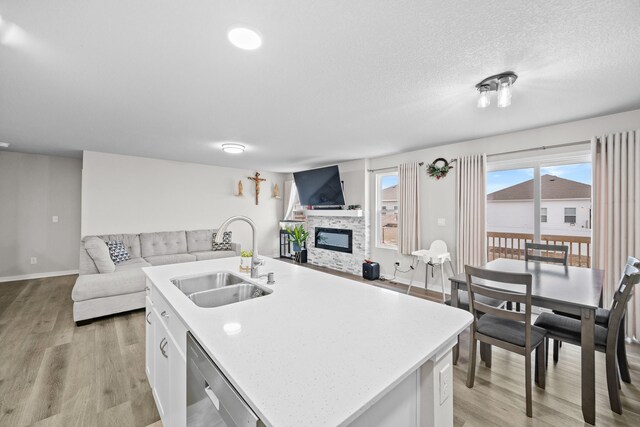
{"x":500,"y":83}
{"x":4,"y":145}
{"x":232,"y":148}
{"x":244,"y":38}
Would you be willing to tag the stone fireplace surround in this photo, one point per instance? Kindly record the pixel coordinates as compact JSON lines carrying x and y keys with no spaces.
{"x":341,"y":261}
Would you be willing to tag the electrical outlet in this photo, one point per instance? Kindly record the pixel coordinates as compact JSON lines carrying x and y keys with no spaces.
{"x":442,"y":222}
{"x":54,"y":219}
{"x":34,"y":260}
{"x":445,"y":383}
{"x":397,"y":263}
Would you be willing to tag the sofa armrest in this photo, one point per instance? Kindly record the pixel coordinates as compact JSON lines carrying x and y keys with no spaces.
{"x":236,"y":248}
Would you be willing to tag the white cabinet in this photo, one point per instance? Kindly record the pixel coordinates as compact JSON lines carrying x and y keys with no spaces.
{"x":165,"y":362}
{"x":149,"y":342}
{"x":161,"y":367}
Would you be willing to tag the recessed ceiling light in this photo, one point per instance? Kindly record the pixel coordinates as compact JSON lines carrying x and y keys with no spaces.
{"x":245,"y":38}
{"x":4,"y":145}
{"x":233,"y":148}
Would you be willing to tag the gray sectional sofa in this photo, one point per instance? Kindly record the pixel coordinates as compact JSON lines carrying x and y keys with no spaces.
{"x":121,"y":287}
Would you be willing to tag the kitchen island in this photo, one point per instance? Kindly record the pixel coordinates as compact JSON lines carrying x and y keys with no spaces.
{"x":319,"y":350}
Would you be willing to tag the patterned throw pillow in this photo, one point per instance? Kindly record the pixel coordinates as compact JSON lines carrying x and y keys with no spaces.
{"x":118,"y":251}
{"x":225,"y":245}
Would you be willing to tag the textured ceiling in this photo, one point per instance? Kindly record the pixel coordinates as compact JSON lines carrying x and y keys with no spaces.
{"x":334,"y":80}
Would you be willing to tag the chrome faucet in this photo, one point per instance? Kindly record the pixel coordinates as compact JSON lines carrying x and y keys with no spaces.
{"x":255,"y":261}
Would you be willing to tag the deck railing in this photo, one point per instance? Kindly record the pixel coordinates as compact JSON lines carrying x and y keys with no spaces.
{"x":511,"y":245}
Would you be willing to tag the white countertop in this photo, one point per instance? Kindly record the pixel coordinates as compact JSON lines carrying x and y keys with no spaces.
{"x":320,"y":349}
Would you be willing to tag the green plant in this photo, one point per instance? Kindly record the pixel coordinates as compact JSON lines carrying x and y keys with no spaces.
{"x":298,"y":235}
{"x":246,"y":254}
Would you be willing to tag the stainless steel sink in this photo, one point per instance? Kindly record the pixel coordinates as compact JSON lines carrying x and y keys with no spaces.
{"x":228,"y":295}
{"x":205,"y":282}
{"x":218,"y":289}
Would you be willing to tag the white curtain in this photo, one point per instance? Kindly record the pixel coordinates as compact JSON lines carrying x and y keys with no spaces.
{"x":616,"y":216}
{"x":409,"y":209}
{"x":471,"y":245}
{"x":292,"y":200}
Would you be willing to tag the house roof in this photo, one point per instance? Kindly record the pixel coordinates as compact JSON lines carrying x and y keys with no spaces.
{"x":553,"y":187}
{"x":390,"y":193}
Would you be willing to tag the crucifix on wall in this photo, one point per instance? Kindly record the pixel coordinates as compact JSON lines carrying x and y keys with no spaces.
{"x":257,"y":180}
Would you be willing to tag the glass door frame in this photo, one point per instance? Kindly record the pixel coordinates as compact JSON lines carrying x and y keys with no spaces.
{"x":537,"y":163}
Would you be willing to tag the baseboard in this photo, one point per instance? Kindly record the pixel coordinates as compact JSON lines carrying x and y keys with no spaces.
{"x":404,"y":281}
{"x":436,"y":287}
{"x":37,"y":275}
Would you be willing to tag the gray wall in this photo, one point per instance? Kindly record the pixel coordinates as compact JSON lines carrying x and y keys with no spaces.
{"x":34,"y":188}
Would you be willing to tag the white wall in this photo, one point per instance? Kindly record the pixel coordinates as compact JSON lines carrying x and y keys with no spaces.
{"x":125,"y":194}
{"x":438,"y":197}
{"x":33,"y":189}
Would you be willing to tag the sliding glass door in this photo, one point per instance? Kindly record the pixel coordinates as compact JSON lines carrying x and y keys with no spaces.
{"x":547,"y":201}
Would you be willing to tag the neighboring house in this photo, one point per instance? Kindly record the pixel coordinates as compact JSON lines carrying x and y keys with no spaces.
{"x":565,"y":208}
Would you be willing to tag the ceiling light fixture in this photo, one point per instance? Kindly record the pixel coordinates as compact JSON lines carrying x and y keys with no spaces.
{"x":244,"y":38}
{"x":502,"y":84}
{"x":4,"y":145}
{"x":233,"y":148}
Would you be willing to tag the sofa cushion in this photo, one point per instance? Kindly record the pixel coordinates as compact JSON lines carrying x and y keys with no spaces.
{"x":131,"y":242}
{"x":199,"y":240}
{"x":118,"y":251}
{"x":203,"y":255}
{"x":89,"y":286}
{"x":225,"y":245}
{"x":132,"y":263}
{"x":170,"y":259}
{"x":99,"y":253}
{"x":163,"y":243}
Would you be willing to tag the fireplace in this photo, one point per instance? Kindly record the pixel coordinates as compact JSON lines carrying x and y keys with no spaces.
{"x":334,"y":239}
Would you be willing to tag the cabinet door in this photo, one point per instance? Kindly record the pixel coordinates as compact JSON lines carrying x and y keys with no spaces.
{"x":178,"y":385}
{"x":149,"y":342}
{"x":161,"y":368}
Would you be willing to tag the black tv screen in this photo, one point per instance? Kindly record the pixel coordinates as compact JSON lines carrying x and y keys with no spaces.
{"x":320,"y":187}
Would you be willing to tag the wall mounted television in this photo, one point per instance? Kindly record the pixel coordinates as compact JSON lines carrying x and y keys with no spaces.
{"x":320,"y":187}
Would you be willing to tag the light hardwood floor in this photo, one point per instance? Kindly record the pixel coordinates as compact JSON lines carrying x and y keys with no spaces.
{"x":53,"y":373}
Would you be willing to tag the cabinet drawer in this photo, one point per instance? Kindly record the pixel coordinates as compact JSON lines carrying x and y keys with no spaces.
{"x":171,"y":321}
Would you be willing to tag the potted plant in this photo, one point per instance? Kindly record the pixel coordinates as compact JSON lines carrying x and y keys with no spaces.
{"x":297,"y":237}
{"x":245,"y":261}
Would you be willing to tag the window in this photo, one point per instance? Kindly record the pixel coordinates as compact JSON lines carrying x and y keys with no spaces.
{"x":569,"y":215}
{"x":387,"y":210}
{"x":527,"y":201}
{"x":543,"y":214}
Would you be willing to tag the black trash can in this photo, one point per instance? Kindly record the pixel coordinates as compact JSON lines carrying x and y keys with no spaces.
{"x":371,"y":270}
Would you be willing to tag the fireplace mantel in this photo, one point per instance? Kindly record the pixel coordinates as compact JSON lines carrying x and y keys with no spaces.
{"x":356,"y":213}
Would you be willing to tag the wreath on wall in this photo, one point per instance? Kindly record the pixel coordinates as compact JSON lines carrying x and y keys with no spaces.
{"x":439,"y":168}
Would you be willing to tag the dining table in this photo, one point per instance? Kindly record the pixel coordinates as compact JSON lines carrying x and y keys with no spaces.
{"x":566,"y":289}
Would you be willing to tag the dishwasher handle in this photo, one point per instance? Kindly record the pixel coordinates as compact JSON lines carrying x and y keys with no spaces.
{"x":212,"y":397}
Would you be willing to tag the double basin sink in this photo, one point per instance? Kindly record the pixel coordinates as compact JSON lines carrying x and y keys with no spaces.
{"x":218,"y":289}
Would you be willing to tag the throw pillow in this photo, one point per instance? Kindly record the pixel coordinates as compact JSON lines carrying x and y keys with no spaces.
{"x":225,"y":245}
{"x":118,"y":251}
{"x":99,"y":253}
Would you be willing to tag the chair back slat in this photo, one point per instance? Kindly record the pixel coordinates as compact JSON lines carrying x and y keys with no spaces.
{"x":630,"y":278}
{"x":510,"y":287}
{"x":631,"y":261}
{"x":562,"y":250}
{"x":506,"y":295}
{"x":496,"y":311}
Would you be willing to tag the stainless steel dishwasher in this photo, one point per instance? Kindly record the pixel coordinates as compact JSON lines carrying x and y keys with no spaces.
{"x":211,"y":399}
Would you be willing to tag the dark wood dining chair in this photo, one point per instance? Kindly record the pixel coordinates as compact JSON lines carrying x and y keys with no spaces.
{"x":557,"y":254}
{"x":567,"y":329}
{"x":602,"y":318}
{"x":500,"y":327}
{"x":463,"y":304}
